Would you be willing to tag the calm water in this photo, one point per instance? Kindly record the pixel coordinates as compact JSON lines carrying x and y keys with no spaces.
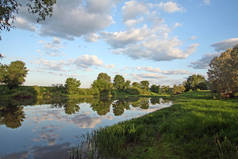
{"x":35,"y":130}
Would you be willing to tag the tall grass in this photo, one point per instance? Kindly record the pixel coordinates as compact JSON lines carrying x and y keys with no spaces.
{"x":196,"y":126}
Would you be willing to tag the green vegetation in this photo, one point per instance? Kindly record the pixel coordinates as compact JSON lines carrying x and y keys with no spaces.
{"x":223,"y":73}
{"x":14,"y":74}
{"x":195,"y":82}
{"x":196,"y":126}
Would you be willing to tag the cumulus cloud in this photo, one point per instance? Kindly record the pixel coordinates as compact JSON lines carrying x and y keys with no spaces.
{"x":86,"y":61}
{"x":81,"y":62}
{"x":158,"y":70}
{"x":91,"y":37}
{"x":204,"y":62}
{"x":24,"y":24}
{"x":132,"y":9}
{"x":73,"y":18}
{"x":170,"y":7}
{"x":226,"y":44}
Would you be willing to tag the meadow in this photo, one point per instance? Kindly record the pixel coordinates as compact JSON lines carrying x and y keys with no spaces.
{"x":197,"y":125}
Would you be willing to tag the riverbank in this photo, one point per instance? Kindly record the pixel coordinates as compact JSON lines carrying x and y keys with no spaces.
{"x":196,"y":126}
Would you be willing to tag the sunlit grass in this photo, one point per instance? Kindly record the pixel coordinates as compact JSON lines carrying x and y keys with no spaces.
{"x":196,"y":126}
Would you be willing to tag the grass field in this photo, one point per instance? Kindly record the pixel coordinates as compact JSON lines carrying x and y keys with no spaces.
{"x":196,"y":126}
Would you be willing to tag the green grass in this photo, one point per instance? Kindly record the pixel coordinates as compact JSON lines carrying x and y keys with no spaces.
{"x":196,"y":126}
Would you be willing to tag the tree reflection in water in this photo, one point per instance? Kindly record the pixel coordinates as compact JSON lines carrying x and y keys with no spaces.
{"x":11,"y":116}
{"x":101,"y":106}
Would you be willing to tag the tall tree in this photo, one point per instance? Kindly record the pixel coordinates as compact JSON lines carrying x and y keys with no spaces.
{"x":15,"y":74}
{"x":223,"y":72}
{"x":103,"y":84}
{"x":72,"y":85}
{"x":119,"y":82}
{"x":9,"y":9}
{"x":104,"y":76}
{"x":194,"y":82}
{"x":154,"y":88}
{"x":145,"y":85}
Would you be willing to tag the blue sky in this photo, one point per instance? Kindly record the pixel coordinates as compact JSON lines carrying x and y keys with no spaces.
{"x":162,"y":41}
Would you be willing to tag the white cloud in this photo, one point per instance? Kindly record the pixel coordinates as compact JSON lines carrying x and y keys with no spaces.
{"x":148,"y":76}
{"x":204,"y":62}
{"x":132,"y":9}
{"x":170,"y":7}
{"x":123,"y":38}
{"x":226,"y":44}
{"x":52,"y":48}
{"x":81,"y":62}
{"x":73,"y":18}
{"x":177,"y":25}
{"x":207,"y":2}
{"x":86,"y":61}
{"x":158,"y":70}
{"x":193,"y":38}
{"x":24,"y":24}
{"x":91,"y":37}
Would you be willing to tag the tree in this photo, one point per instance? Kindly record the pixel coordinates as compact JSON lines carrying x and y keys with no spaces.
{"x":72,"y":85}
{"x":3,"y":71}
{"x":154,"y":88}
{"x":145,"y":85}
{"x":14,"y":74}
{"x":136,"y":84}
{"x":104,"y":76}
{"x":9,"y":9}
{"x":127,"y":84}
{"x":103,"y":84}
{"x":119,"y":82}
{"x":194,"y":82}
{"x":178,"y":89}
{"x":223,"y":72}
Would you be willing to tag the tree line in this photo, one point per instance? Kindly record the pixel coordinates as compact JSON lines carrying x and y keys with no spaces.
{"x":222,"y":79}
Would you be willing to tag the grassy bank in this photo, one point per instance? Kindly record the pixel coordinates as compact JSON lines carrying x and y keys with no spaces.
{"x":196,"y":126}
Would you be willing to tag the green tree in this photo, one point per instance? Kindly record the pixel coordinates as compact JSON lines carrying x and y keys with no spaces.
{"x":9,"y":9}
{"x":154,"y":88}
{"x":103,"y":87}
{"x":178,"y":89}
{"x":136,"y":84}
{"x":127,"y":84}
{"x":72,"y":85}
{"x":3,"y":72}
{"x":14,"y":74}
{"x":194,"y":82}
{"x":223,"y":72}
{"x":104,"y":77}
{"x":119,"y":82}
{"x":145,"y":85}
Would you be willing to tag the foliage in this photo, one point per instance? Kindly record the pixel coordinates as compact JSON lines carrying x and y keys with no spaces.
{"x":72,"y":85}
{"x":165,"y":89}
{"x":9,"y":9}
{"x":178,"y":89}
{"x":14,"y":74}
{"x":195,"y":82}
{"x":154,"y":88}
{"x":104,"y":77}
{"x":119,"y":82}
{"x":223,"y":72}
{"x":136,"y":84}
{"x":145,"y":85}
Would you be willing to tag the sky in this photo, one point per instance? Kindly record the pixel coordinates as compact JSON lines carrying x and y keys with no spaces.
{"x":162,"y":41}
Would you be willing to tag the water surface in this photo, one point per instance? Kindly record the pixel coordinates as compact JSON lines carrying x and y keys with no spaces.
{"x":37,"y":130}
